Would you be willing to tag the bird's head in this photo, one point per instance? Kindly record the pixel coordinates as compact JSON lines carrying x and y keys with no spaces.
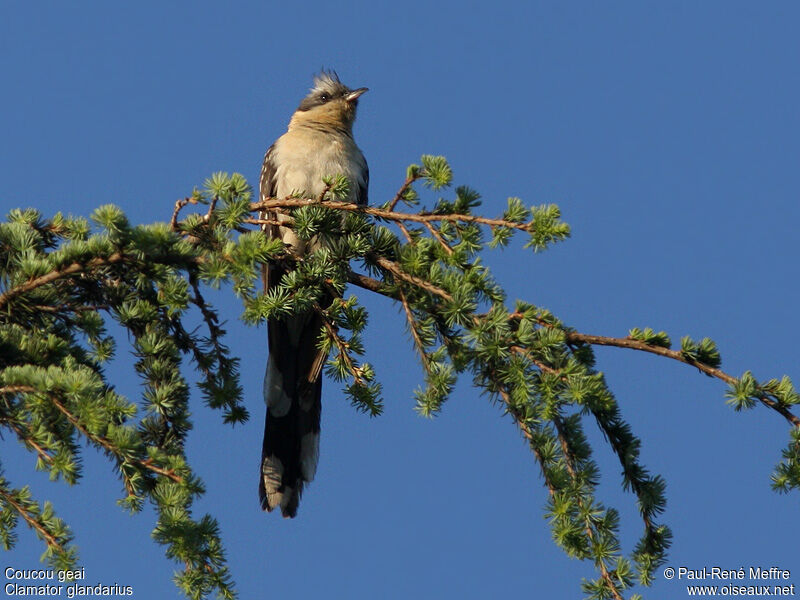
{"x":329,"y":104}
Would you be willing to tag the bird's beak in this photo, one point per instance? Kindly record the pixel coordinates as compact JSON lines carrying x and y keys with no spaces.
{"x":353,"y":96}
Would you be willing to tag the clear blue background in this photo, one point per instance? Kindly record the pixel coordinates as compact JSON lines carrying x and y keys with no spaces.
{"x":667,"y":132}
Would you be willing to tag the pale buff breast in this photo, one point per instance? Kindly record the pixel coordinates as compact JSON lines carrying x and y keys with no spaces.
{"x":301,"y":171}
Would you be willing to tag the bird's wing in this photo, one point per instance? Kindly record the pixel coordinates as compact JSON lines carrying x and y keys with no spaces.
{"x":363,"y":185}
{"x":267,"y":183}
{"x":268,"y":187}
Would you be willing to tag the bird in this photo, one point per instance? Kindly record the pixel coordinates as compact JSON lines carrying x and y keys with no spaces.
{"x":318,"y":143}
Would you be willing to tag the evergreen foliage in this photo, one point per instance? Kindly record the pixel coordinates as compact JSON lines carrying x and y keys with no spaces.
{"x":62,"y":280}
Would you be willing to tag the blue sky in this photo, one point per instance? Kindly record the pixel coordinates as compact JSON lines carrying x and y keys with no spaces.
{"x":669,"y":135}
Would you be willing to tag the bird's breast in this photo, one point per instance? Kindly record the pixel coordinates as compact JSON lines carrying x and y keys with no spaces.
{"x":303,"y":159}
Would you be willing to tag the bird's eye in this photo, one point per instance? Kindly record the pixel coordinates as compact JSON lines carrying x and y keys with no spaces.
{"x":324,"y":97}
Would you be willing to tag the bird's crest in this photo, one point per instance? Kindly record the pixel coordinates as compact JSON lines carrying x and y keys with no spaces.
{"x":327,"y":81}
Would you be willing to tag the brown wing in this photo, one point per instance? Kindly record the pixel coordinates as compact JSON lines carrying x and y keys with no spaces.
{"x":267,"y":186}
{"x":361,"y":192}
{"x":267,"y":183}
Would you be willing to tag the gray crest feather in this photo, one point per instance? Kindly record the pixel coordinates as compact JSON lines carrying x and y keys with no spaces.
{"x":327,"y":80}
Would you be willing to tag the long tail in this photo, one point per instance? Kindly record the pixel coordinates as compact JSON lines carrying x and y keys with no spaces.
{"x":290,"y":450}
{"x":293,"y":394}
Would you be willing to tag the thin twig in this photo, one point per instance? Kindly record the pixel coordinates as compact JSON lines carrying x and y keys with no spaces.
{"x":68,"y":308}
{"x":599,"y":340}
{"x":412,"y":325}
{"x":52,"y":276}
{"x":179,"y":204}
{"x":527,"y":354}
{"x":342,"y":346}
{"x":13,"y":389}
{"x":109,"y":447}
{"x":371,"y":284}
{"x":28,"y":441}
{"x":101,"y":441}
{"x":401,"y":192}
{"x":262,"y":222}
{"x":439,"y":238}
{"x":389,"y":215}
{"x":588,"y":525}
{"x":328,"y":187}
{"x":49,"y":539}
{"x":526,"y":431}
{"x":405,"y":232}
{"x":169,"y":473}
{"x":211,"y":206}
{"x":396,"y":270}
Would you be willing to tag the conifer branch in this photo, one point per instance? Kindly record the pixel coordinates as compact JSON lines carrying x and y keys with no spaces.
{"x":632,"y":344}
{"x":551,"y":486}
{"x":404,"y":230}
{"x":539,"y":364}
{"x":67,"y":271}
{"x":261,"y":222}
{"x":437,"y":236}
{"x":58,"y":310}
{"x":179,"y":204}
{"x":412,"y":326}
{"x":27,"y":439}
{"x":32,"y":520}
{"x":101,"y":441}
{"x":215,"y":332}
{"x":574,"y":337}
{"x":539,"y":369}
{"x":112,"y":449}
{"x":341,"y":346}
{"x":16,"y":389}
{"x":404,"y":188}
{"x":396,"y":270}
{"x":569,"y":459}
{"x":370,"y":284}
{"x":148,"y":463}
{"x":389,"y":215}
{"x":568,"y":462}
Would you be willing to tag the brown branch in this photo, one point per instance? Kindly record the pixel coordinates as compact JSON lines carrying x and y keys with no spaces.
{"x":439,"y":238}
{"x":68,"y":308}
{"x":398,"y":272}
{"x":13,"y":389}
{"x":105,"y":443}
{"x":324,"y":192}
{"x":588,"y":526}
{"x":211,"y":206}
{"x":179,"y":204}
{"x":262,"y":222}
{"x":412,"y":325}
{"x":49,"y":539}
{"x":28,"y":441}
{"x":548,"y":369}
{"x":404,"y":231}
{"x":320,"y":357}
{"x":342,"y":346}
{"x":526,"y":431}
{"x":389,"y":215}
{"x":67,"y":271}
{"x":109,"y":447}
{"x":370,"y":284}
{"x":169,"y":473}
{"x":632,"y":344}
{"x":527,"y":354}
{"x":403,"y":189}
